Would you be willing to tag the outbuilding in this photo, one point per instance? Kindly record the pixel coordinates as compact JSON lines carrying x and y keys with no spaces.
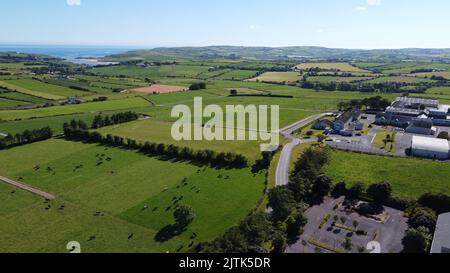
{"x":428,"y":147}
{"x":441,"y":241}
{"x":421,"y":126}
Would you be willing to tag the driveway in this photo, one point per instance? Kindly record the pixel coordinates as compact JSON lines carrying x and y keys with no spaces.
{"x":282,"y":173}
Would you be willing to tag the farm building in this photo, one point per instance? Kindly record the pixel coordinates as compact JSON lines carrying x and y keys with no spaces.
{"x":430,"y":147}
{"x":421,"y":126}
{"x":415,"y":103}
{"x":323,"y":125}
{"x":73,"y":100}
{"x":441,"y":240}
{"x":404,"y":110}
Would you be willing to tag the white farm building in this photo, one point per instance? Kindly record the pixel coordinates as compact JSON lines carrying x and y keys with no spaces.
{"x":430,"y":147}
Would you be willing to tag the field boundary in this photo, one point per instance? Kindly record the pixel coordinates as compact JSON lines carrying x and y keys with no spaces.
{"x":27,"y":188}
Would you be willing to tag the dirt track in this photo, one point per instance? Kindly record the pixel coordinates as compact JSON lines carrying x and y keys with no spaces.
{"x":27,"y":188}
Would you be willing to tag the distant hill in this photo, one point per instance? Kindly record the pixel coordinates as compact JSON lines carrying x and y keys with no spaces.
{"x":284,"y":53}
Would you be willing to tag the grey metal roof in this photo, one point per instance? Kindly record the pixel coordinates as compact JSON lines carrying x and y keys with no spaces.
{"x":441,"y":241}
{"x":406,"y":111}
{"x":415,"y":101}
{"x":422,"y":123}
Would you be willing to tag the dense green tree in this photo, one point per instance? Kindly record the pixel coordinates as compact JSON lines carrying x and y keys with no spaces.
{"x":417,"y":240}
{"x":295,"y":222}
{"x":279,"y":242}
{"x":257,"y":229}
{"x":322,"y":186}
{"x":440,"y":203}
{"x":356,"y":190}
{"x":282,"y":201}
{"x":300,"y":188}
{"x":340,"y":189}
{"x":184,"y":215}
{"x":422,"y":218}
{"x":380,"y":192}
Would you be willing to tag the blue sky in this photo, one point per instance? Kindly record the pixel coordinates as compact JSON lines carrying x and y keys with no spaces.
{"x":147,"y":23}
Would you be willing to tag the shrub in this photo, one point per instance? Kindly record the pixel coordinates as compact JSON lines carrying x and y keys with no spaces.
{"x":184,"y":215}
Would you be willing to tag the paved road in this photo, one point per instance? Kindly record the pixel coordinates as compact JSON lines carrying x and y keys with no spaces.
{"x":282,"y":174}
{"x":27,"y":188}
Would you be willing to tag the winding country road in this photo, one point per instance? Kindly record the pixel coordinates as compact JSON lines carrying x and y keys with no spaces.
{"x":27,"y":188}
{"x":282,"y":173}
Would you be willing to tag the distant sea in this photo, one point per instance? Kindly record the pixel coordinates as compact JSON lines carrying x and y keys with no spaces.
{"x":70,"y":53}
{"x":66,"y":51}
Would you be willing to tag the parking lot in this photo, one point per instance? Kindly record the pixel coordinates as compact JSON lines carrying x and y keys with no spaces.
{"x":321,"y":235}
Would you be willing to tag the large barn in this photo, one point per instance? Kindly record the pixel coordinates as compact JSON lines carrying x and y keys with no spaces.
{"x":430,"y":147}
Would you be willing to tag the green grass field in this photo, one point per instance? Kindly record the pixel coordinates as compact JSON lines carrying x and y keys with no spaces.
{"x":23,"y":97}
{"x":278,"y":77}
{"x":237,"y":75}
{"x":409,"y":177}
{"x":384,"y":134}
{"x":93,"y":107}
{"x":346,"y":67}
{"x":181,"y":71}
{"x":400,"y":79}
{"x":8,"y":103}
{"x":41,"y":89}
{"x":55,"y":122}
{"x":337,"y":79}
{"x":445,"y":74}
{"x":118,"y":188}
{"x":160,"y":132}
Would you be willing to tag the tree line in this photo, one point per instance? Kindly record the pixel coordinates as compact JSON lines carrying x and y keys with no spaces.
{"x":373,"y":103}
{"x":77,"y":131}
{"x":102,"y":121}
{"x":386,"y":87}
{"x":26,"y":137}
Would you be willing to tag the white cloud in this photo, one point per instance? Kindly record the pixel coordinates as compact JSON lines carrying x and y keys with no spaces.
{"x":73,"y":2}
{"x":361,"y":8}
{"x":320,"y":30}
{"x":373,"y":2}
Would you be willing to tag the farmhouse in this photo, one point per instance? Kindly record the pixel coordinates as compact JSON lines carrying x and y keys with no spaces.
{"x":73,"y":100}
{"x":430,"y":148}
{"x":323,"y":125}
{"x":441,"y":240}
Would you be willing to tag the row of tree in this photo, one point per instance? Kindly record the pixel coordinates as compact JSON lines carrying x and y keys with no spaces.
{"x":27,"y":136}
{"x":373,"y":103}
{"x":386,"y":87}
{"x":105,"y":120}
{"x":77,"y":130}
